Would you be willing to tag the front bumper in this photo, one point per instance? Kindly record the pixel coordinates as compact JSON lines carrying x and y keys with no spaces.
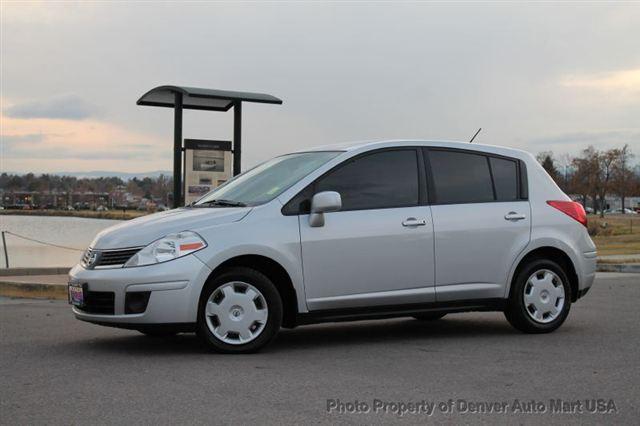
{"x":174,"y":288}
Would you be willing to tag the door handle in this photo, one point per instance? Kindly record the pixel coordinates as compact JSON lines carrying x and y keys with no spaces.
{"x":412,"y":221}
{"x":513,"y":216}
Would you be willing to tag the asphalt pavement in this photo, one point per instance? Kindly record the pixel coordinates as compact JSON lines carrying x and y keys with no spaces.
{"x":465,"y":368}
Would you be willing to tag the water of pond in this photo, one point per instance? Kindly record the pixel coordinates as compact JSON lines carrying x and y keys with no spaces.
{"x":72,"y":232}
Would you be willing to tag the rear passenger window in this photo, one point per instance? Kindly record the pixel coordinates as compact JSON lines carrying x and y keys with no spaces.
{"x":505,"y":178}
{"x":375,"y":181}
{"x":460,"y":177}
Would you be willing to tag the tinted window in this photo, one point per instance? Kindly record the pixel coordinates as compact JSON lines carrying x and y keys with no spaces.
{"x":460,"y":177}
{"x":505,"y":179}
{"x":381,"y":180}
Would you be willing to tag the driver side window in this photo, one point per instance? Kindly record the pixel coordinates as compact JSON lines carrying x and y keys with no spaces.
{"x":383,"y":179}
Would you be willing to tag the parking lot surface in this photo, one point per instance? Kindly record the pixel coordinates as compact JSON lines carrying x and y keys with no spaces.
{"x":58,"y":370}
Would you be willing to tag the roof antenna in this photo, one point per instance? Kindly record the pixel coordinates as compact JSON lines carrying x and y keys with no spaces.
{"x":474,"y":136}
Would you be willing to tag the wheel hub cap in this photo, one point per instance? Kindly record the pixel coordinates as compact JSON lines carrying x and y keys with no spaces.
{"x":236,"y":313}
{"x":544,"y":296}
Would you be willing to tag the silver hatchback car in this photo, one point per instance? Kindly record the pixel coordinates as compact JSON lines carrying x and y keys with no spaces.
{"x":361,"y":231}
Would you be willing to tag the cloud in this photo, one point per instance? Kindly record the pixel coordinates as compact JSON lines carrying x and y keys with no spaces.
{"x":593,"y":138}
{"x":623,"y":80}
{"x":620,"y":87}
{"x":52,"y":151}
{"x":29,"y":138}
{"x":65,"y":107}
{"x":43,"y":144}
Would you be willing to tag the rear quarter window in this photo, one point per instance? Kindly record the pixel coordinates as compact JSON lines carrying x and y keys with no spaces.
{"x":505,"y":178}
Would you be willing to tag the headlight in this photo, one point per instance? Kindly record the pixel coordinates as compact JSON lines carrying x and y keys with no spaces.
{"x":167,"y":248}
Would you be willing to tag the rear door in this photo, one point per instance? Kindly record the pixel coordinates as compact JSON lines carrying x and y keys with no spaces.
{"x":482,"y":221}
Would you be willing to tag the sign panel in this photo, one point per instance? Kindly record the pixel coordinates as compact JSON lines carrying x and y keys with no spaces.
{"x":207,"y":166}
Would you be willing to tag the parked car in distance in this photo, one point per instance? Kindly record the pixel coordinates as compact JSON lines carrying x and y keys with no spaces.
{"x":346,"y":232}
{"x":625,"y":211}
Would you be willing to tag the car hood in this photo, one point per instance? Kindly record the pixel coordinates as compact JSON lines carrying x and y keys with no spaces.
{"x":144,"y":230}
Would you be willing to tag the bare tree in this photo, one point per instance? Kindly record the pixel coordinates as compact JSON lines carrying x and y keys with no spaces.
{"x":583,"y":178}
{"x":589,"y":175}
{"x":606,"y":163}
{"x":622,"y":183}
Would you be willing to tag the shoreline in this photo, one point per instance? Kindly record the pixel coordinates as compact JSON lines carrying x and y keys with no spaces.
{"x":90,"y":214}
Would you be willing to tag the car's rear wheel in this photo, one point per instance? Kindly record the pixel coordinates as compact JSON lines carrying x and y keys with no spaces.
{"x":540,"y":297}
{"x":430,"y":316}
{"x":240,"y":311}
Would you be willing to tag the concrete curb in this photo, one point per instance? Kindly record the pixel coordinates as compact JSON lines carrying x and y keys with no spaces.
{"x":15,"y":272}
{"x":33,"y":290}
{"x":630,"y":268}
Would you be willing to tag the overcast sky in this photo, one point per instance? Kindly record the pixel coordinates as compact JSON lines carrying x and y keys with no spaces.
{"x":537,"y":77}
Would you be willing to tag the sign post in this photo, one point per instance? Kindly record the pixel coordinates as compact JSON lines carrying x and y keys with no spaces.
{"x":177,"y":150}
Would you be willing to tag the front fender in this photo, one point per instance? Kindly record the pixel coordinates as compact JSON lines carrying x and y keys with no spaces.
{"x":276,"y":237}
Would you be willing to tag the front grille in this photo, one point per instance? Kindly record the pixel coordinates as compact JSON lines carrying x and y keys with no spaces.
{"x":115,"y":257}
{"x":107,"y":258}
{"x":99,"y":302}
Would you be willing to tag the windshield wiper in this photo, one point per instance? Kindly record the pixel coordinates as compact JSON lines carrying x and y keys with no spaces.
{"x":221,"y":203}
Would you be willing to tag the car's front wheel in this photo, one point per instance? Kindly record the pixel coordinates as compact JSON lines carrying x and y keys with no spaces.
{"x":240,"y":311}
{"x":540,"y":297}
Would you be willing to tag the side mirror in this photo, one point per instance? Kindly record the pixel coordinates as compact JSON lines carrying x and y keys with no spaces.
{"x":321,"y":203}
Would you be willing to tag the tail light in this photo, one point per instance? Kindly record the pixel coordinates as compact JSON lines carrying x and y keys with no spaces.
{"x":572,"y":209}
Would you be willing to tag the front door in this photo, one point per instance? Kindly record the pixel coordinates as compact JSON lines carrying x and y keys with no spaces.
{"x":378,"y":249}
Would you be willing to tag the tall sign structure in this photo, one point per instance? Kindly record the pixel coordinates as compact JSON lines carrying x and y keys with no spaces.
{"x":180,"y":98}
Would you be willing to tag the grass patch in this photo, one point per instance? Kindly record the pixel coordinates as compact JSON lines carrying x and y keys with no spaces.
{"x":615,"y":234}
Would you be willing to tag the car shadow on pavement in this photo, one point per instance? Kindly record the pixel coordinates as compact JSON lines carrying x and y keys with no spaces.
{"x":390,"y":331}
{"x":134,"y":343}
{"x":312,"y":337}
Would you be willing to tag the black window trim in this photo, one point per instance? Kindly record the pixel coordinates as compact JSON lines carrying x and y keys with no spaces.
{"x":493,"y":181}
{"x":521,"y":176}
{"x":523,"y":181}
{"x":423,"y":191}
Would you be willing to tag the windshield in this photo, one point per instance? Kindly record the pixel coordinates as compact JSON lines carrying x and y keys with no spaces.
{"x":266,"y":181}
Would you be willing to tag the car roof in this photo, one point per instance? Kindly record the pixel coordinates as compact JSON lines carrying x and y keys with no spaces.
{"x":374,"y":144}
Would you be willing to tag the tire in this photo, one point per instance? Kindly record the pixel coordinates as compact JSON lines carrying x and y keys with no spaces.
{"x":434,"y":316}
{"x":240,"y":311}
{"x":538,"y":288}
